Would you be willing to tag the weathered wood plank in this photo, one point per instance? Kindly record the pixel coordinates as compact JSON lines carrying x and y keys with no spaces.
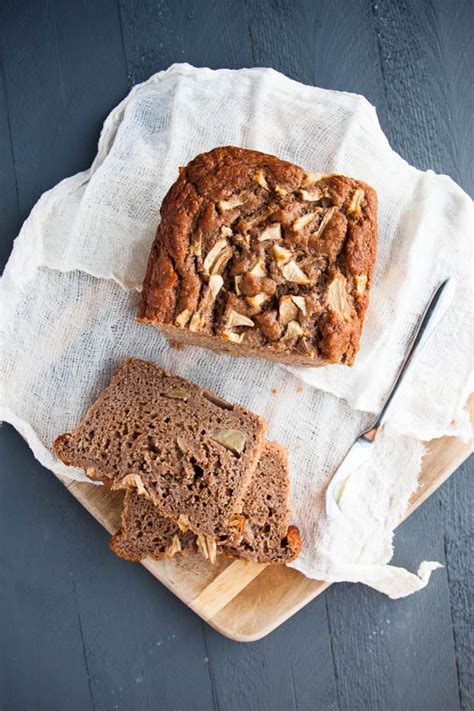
{"x":39,"y":619}
{"x":290,"y":670}
{"x":9,"y":212}
{"x":456,"y":503}
{"x":212,"y":34}
{"x":389,"y":654}
{"x":426,"y":52}
{"x":64,"y":71}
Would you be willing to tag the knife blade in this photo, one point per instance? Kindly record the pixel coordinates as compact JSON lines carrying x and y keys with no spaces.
{"x":361,"y":450}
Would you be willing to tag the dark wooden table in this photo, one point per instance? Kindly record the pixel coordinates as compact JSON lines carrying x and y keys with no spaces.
{"x":81,"y":629}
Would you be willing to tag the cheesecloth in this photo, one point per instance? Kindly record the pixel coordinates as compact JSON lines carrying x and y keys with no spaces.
{"x":70,"y":289}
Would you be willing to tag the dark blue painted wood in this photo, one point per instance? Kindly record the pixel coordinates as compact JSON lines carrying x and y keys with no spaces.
{"x":82,"y":629}
{"x":9,"y":204}
{"x":64,"y":69}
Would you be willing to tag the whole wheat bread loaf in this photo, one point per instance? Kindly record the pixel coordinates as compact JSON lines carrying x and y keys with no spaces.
{"x":266,"y":536}
{"x":256,"y":257}
{"x":190,"y":452}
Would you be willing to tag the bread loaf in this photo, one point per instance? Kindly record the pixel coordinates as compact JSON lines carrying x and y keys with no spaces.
{"x":256,"y":257}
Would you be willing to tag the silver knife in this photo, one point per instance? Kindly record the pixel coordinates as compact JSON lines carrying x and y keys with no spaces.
{"x":361,"y":450}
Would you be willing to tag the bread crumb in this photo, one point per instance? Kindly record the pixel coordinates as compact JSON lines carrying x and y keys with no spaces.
{"x":299,"y":389}
{"x":274,"y":391}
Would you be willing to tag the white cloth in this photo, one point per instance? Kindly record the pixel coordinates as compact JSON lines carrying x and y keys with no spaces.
{"x":69,"y":294}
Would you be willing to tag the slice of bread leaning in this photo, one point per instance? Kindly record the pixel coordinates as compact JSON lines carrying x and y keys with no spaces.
{"x":266,"y":536}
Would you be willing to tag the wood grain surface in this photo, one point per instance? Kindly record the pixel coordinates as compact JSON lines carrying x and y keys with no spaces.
{"x":81,"y":629}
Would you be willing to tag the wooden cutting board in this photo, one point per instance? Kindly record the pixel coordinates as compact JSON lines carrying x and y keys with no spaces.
{"x":242,"y":600}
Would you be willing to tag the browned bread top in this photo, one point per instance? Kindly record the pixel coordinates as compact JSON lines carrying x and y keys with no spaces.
{"x":255,"y":256}
{"x":190,"y":452}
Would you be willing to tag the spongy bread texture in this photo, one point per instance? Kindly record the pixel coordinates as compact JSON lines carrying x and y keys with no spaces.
{"x":191,"y":453}
{"x":266,"y":536}
{"x":146,"y":534}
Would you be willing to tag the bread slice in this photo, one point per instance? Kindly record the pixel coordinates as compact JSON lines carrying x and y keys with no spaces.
{"x":190,"y":452}
{"x":145,"y":533}
{"x":256,"y":257}
{"x":266,"y":536}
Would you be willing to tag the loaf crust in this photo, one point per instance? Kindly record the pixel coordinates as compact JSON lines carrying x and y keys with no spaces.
{"x":255,"y":256}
